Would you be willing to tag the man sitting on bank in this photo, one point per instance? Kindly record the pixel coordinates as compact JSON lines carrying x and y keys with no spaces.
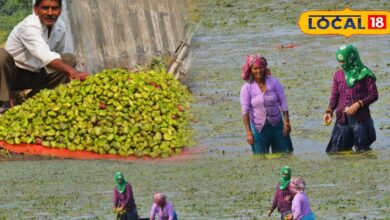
{"x":33,"y":57}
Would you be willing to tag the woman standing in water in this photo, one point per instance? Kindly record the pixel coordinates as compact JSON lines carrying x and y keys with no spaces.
{"x":353,"y":91}
{"x":300,"y":205}
{"x":162,"y":208}
{"x":263,"y":103}
{"x":123,"y":199}
{"x":283,"y":195}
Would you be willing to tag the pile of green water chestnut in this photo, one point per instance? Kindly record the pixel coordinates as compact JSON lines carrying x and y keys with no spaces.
{"x":112,"y":112}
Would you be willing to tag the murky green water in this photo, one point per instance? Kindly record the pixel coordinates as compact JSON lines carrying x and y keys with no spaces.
{"x":225,"y":182}
{"x":230,"y":187}
{"x":306,"y":71}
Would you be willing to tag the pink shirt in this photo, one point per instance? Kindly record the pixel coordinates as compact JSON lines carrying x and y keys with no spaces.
{"x":165,"y":213}
{"x":262,"y":107}
{"x":300,"y":206}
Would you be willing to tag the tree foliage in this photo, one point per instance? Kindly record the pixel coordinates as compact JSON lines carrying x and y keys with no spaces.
{"x":12,"y":12}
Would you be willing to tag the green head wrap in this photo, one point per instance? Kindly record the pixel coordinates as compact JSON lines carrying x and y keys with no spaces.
{"x":285,"y":177}
{"x":120,"y":182}
{"x":352,"y":65}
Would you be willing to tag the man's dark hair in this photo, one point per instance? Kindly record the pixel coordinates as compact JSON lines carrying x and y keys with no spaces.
{"x":38,"y":2}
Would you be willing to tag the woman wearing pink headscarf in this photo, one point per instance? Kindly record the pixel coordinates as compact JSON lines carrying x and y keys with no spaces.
{"x":162,"y":208}
{"x":300,"y":205}
{"x":263,"y":103}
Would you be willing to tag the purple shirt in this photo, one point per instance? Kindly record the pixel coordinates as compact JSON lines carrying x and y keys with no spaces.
{"x":262,"y":107}
{"x":300,"y":206}
{"x":343,"y":96}
{"x":125,"y":199}
{"x":165,"y":213}
{"x":282,"y":199}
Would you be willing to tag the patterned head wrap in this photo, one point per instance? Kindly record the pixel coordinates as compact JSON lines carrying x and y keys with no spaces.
{"x":352,"y":65}
{"x":285,"y":177}
{"x":120,"y":182}
{"x":251,"y":60}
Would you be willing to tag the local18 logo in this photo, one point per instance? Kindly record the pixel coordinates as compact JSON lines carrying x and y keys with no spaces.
{"x":346,"y":22}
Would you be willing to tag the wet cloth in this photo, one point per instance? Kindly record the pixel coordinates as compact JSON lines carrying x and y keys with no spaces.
{"x":32,"y":48}
{"x":310,"y":216}
{"x":352,"y":65}
{"x":352,"y":133}
{"x":262,"y":107}
{"x":165,"y":213}
{"x":280,"y":200}
{"x":120,"y":182}
{"x":343,"y":96}
{"x":300,"y":206}
{"x":271,"y":137}
{"x":125,"y":199}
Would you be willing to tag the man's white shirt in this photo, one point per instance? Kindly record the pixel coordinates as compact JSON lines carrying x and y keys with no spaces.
{"x":30,"y":46}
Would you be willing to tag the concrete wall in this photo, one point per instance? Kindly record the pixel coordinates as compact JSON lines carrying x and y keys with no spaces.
{"x":123,"y":33}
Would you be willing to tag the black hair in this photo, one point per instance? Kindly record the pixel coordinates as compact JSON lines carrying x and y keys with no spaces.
{"x":38,"y":2}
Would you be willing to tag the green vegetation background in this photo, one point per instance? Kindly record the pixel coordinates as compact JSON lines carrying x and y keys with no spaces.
{"x":11,"y":13}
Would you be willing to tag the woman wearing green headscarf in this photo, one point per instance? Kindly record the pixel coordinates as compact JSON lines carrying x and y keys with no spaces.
{"x":124,"y":204}
{"x":353,"y":91}
{"x":283,"y":196}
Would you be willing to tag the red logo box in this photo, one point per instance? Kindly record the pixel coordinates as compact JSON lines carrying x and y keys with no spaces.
{"x":376,"y":21}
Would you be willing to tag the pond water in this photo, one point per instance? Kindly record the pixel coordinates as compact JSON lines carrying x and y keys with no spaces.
{"x":305,"y":71}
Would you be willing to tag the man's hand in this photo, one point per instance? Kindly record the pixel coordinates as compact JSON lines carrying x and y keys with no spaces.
{"x":78,"y":75}
{"x":63,"y":67}
{"x":83,"y":76}
{"x":74,"y":75}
